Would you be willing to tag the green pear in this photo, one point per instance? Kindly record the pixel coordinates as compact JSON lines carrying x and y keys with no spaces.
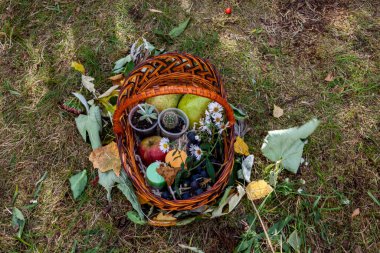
{"x":194,"y":107}
{"x":164,"y":101}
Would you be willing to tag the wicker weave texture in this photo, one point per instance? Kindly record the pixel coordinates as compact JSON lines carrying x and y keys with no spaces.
{"x":171,"y":73}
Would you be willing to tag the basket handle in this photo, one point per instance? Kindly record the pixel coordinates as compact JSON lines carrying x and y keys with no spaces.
{"x":179,"y":89}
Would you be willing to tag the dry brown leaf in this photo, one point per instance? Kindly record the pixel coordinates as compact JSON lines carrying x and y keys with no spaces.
{"x":241,"y":147}
{"x":329,"y":77}
{"x":117,"y":79}
{"x":356,"y":212}
{"x":106,"y":158}
{"x":337,"y":89}
{"x":164,"y":217}
{"x":277,"y":111}
{"x":258,"y":189}
{"x":168,"y":173}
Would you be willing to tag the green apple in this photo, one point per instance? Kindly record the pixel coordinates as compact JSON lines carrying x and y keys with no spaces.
{"x":194,"y":106}
{"x":164,"y":101}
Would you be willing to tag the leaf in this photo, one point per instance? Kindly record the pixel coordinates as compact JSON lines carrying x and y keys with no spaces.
{"x":109,"y":92}
{"x":164,"y":217}
{"x":294,"y":241}
{"x":78,"y":182}
{"x":192,"y":249}
{"x":241,"y":147}
{"x":108,"y":180}
{"x":175,"y":32}
{"x":329,"y":77}
{"x":134,"y":217}
{"x":287,"y":144}
{"x":239,"y":114}
{"x":232,"y":201}
{"x":125,"y":186}
{"x":355,"y":213}
{"x":78,"y":67}
{"x":106,"y":158}
{"x":277,"y":111}
{"x":119,"y":64}
{"x":246,"y":166}
{"x":90,"y":124}
{"x":373,"y":198}
{"x":88,"y":84}
{"x":258,"y":189}
{"x":154,"y":10}
{"x":168,"y":173}
{"x":210,"y":170}
{"x":18,"y":220}
{"x":83,"y":100}
{"x":128,"y":68}
{"x":186,"y":221}
{"x":165,"y":37}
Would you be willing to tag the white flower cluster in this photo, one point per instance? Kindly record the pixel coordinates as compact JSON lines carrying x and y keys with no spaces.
{"x":214,"y":115}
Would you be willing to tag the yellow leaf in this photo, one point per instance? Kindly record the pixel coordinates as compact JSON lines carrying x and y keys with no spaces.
{"x":258,"y":189}
{"x":241,"y":147}
{"x":78,"y":67}
{"x":164,"y":217}
{"x":106,"y":158}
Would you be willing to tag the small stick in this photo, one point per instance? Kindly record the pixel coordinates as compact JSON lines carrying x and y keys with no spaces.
{"x":262,"y":225}
{"x":171,"y":192}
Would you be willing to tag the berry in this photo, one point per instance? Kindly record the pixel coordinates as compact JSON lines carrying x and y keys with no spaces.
{"x":194,"y":185}
{"x":198,"y":191}
{"x":204,"y":173}
{"x":186,"y":195}
{"x":165,"y":195}
{"x":195,"y":177}
{"x":228,"y":11}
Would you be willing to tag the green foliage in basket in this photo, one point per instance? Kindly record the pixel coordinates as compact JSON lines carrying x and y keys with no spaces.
{"x":147,"y":113}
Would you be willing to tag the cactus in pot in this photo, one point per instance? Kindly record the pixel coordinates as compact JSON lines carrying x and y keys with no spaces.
{"x":170,"y":120}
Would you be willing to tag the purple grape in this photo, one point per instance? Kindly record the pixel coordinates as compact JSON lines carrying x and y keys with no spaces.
{"x":198,"y":191}
{"x":204,"y":174}
{"x":186,"y":195}
{"x":195,"y":177}
{"x":194,"y":185}
{"x":165,"y":195}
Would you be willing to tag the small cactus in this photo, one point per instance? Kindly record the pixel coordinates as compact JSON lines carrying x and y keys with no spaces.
{"x":170,"y":120}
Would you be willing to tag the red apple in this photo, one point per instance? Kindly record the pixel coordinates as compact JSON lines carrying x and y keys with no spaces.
{"x":149,"y":150}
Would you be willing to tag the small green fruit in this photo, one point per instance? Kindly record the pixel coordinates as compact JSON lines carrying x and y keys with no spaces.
{"x":164,"y":101}
{"x":194,"y":106}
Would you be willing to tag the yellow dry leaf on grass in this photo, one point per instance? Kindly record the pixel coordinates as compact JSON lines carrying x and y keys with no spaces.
{"x":78,"y":67}
{"x":164,"y":217}
{"x":106,"y":158}
{"x":258,"y":189}
{"x":241,"y":147}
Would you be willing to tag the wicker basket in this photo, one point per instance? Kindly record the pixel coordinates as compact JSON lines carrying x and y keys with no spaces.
{"x":171,"y":73}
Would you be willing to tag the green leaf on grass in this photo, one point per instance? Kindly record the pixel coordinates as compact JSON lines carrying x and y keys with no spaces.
{"x":18,"y":221}
{"x":108,"y":180}
{"x":373,"y":198}
{"x":127,"y":189}
{"x":78,"y":182}
{"x":175,"y":32}
{"x":135,"y":218}
{"x":239,"y":114}
{"x":119,"y":64}
{"x":295,"y":241}
{"x":90,"y":124}
{"x":287,"y":144}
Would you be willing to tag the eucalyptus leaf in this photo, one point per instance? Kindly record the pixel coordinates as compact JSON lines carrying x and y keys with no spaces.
{"x":83,"y":100}
{"x":127,"y":189}
{"x":246,"y":166}
{"x":294,"y":240}
{"x":287,"y":144}
{"x":18,"y":220}
{"x":78,"y":182}
{"x":135,"y":218}
{"x":90,"y":124}
{"x":175,"y":32}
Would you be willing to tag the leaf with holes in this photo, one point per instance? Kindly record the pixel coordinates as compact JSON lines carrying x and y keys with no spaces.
{"x":77,"y":183}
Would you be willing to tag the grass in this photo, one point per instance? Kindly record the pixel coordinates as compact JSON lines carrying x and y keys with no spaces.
{"x":266,"y":54}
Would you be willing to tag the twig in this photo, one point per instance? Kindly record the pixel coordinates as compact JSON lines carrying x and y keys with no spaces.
{"x":262,"y":225}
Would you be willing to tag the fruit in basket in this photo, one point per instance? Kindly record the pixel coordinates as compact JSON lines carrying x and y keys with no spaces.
{"x":164,"y":101}
{"x":198,"y":191}
{"x":186,"y":195}
{"x":194,"y":106}
{"x":175,"y":158}
{"x":149,"y":150}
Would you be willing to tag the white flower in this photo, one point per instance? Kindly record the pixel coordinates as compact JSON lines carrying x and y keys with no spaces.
{"x":217,"y":117}
{"x":196,"y":151}
{"x":197,"y":138}
{"x":203,"y":126}
{"x":215,"y":107}
{"x":207,"y":118}
{"x":164,"y":145}
{"x":223,"y":127}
